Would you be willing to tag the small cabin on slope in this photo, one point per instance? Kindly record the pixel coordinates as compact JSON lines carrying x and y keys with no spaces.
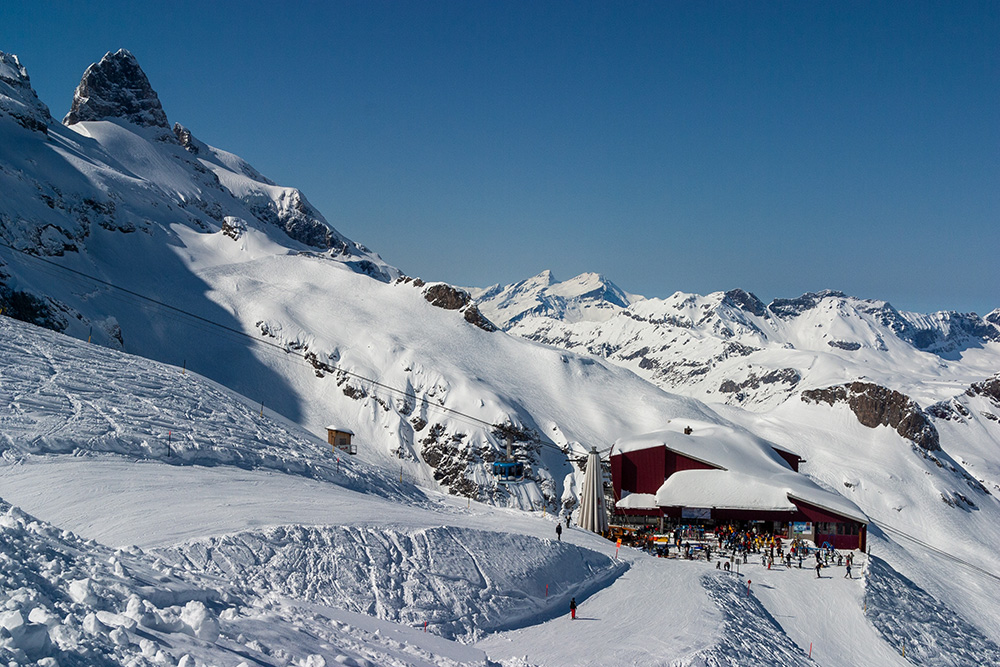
{"x":341,"y":438}
{"x":710,"y":472}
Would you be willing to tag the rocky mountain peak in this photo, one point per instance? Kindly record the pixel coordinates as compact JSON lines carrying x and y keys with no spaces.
{"x":116,"y":87}
{"x":18,"y":98}
{"x":786,"y":308}
{"x":747,"y":301}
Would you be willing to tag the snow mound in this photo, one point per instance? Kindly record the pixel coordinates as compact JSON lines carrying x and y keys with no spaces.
{"x":70,"y":601}
{"x":461,"y":582}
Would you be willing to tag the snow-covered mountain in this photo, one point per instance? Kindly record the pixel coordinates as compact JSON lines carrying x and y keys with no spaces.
{"x":254,"y":289}
{"x":588,"y":297}
{"x":732,"y":348}
{"x":124,"y":230}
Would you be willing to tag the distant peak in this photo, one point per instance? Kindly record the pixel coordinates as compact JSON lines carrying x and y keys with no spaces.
{"x":11,"y":69}
{"x":747,"y":301}
{"x":116,"y":87}
{"x":17,"y":97}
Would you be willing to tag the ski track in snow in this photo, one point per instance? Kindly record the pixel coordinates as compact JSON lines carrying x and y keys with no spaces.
{"x":921,"y":627}
{"x":749,"y":635}
{"x":461,"y":582}
{"x":72,"y":602}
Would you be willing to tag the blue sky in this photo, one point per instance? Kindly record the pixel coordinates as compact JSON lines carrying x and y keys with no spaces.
{"x":776,"y":147}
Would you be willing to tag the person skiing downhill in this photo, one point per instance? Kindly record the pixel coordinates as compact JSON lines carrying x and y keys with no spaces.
{"x":572,"y":609}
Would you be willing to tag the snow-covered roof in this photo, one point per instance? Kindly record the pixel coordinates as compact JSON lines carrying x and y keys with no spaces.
{"x":722,"y":489}
{"x":638,"y":501}
{"x":750,"y":474}
{"x":340,"y":429}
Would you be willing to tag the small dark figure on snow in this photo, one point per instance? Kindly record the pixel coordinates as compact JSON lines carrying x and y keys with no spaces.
{"x":848,"y":575}
{"x":818,"y":566}
{"x":567,"y":520}
{"x":559,"y":532}
{"x":572,"y":609}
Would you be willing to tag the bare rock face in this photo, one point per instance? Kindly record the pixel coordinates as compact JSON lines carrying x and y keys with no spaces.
{"x":875,"y":405}
{"x":445,"y":296}
{"x":747,"y":301}
{"x":989,"y":388}
{"x":186,"y":139}
{"x":116,"y":87}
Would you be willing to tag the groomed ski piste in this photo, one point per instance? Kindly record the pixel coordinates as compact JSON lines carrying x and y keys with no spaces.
{"x":246,"y":541}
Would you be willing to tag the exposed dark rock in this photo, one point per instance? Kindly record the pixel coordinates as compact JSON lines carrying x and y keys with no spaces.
{"x":747,"y":301}
{"x":875,"y":405}
{"x":116,"y":87}
{"x":447,"y":297}
{"x":844,"y":345}
{"x":473,"y":316}
{"x":186,"y":139}
{"x":234,"y":228}
{"x":29,"y":308}
{"x":788,"y":308}
{"x":989,"y":388}
{"x":788,"y":376}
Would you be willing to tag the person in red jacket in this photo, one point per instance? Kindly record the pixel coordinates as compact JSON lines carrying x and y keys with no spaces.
{"x":572,"y":609}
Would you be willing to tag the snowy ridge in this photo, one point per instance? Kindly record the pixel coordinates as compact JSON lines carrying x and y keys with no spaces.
{"x":587,"y":297}
{"x":731,"y":348}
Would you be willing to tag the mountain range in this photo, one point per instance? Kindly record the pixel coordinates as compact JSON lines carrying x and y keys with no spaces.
{"x":129,"y":232}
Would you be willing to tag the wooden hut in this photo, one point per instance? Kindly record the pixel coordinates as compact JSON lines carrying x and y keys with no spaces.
{"x":340,"y":438}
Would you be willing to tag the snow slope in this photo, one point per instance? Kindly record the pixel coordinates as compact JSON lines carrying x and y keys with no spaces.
{"x":259,"y":550}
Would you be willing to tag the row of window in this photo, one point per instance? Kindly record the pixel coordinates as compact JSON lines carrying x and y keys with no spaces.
{"x":823,"y":528}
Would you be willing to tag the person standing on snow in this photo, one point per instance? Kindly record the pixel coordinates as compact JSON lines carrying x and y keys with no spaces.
{"x":572,"y":609}
{"x":848,"y":575}
{"x":559,"y":531}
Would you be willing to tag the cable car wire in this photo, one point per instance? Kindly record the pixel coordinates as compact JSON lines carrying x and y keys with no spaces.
{"x":199,"y":320}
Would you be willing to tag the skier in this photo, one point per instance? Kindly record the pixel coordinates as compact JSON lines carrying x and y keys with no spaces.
{"x":848,"y":575}
{"x":559,"y":532}
{"x":567,"y":520}
{"x":572,"y":609}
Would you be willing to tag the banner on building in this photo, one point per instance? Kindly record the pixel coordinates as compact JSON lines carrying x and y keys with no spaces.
{"x":696,"y":512}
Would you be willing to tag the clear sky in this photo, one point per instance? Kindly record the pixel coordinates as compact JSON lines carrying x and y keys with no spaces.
{"x":694,"y":146}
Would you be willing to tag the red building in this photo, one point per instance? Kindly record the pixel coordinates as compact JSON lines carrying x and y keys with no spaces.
{"x":716,"y":473}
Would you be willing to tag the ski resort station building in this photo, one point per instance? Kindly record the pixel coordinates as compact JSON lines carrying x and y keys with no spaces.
{"x":708,"y":473}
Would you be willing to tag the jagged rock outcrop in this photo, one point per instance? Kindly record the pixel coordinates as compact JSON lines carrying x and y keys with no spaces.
{"x":116,"y":87}
{"x":186,"y":139}
{"x":18,"y":99}
{"x":447,"y":297}
{"x":747,"y":301}
{"x":875,"y":405}
{"x":989,"y":388}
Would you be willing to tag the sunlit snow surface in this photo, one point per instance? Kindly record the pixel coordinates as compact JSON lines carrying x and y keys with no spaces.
{"x":255,"y":548}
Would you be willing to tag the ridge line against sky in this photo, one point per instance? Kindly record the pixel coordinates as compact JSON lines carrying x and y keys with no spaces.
{"x":776,"y":147}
